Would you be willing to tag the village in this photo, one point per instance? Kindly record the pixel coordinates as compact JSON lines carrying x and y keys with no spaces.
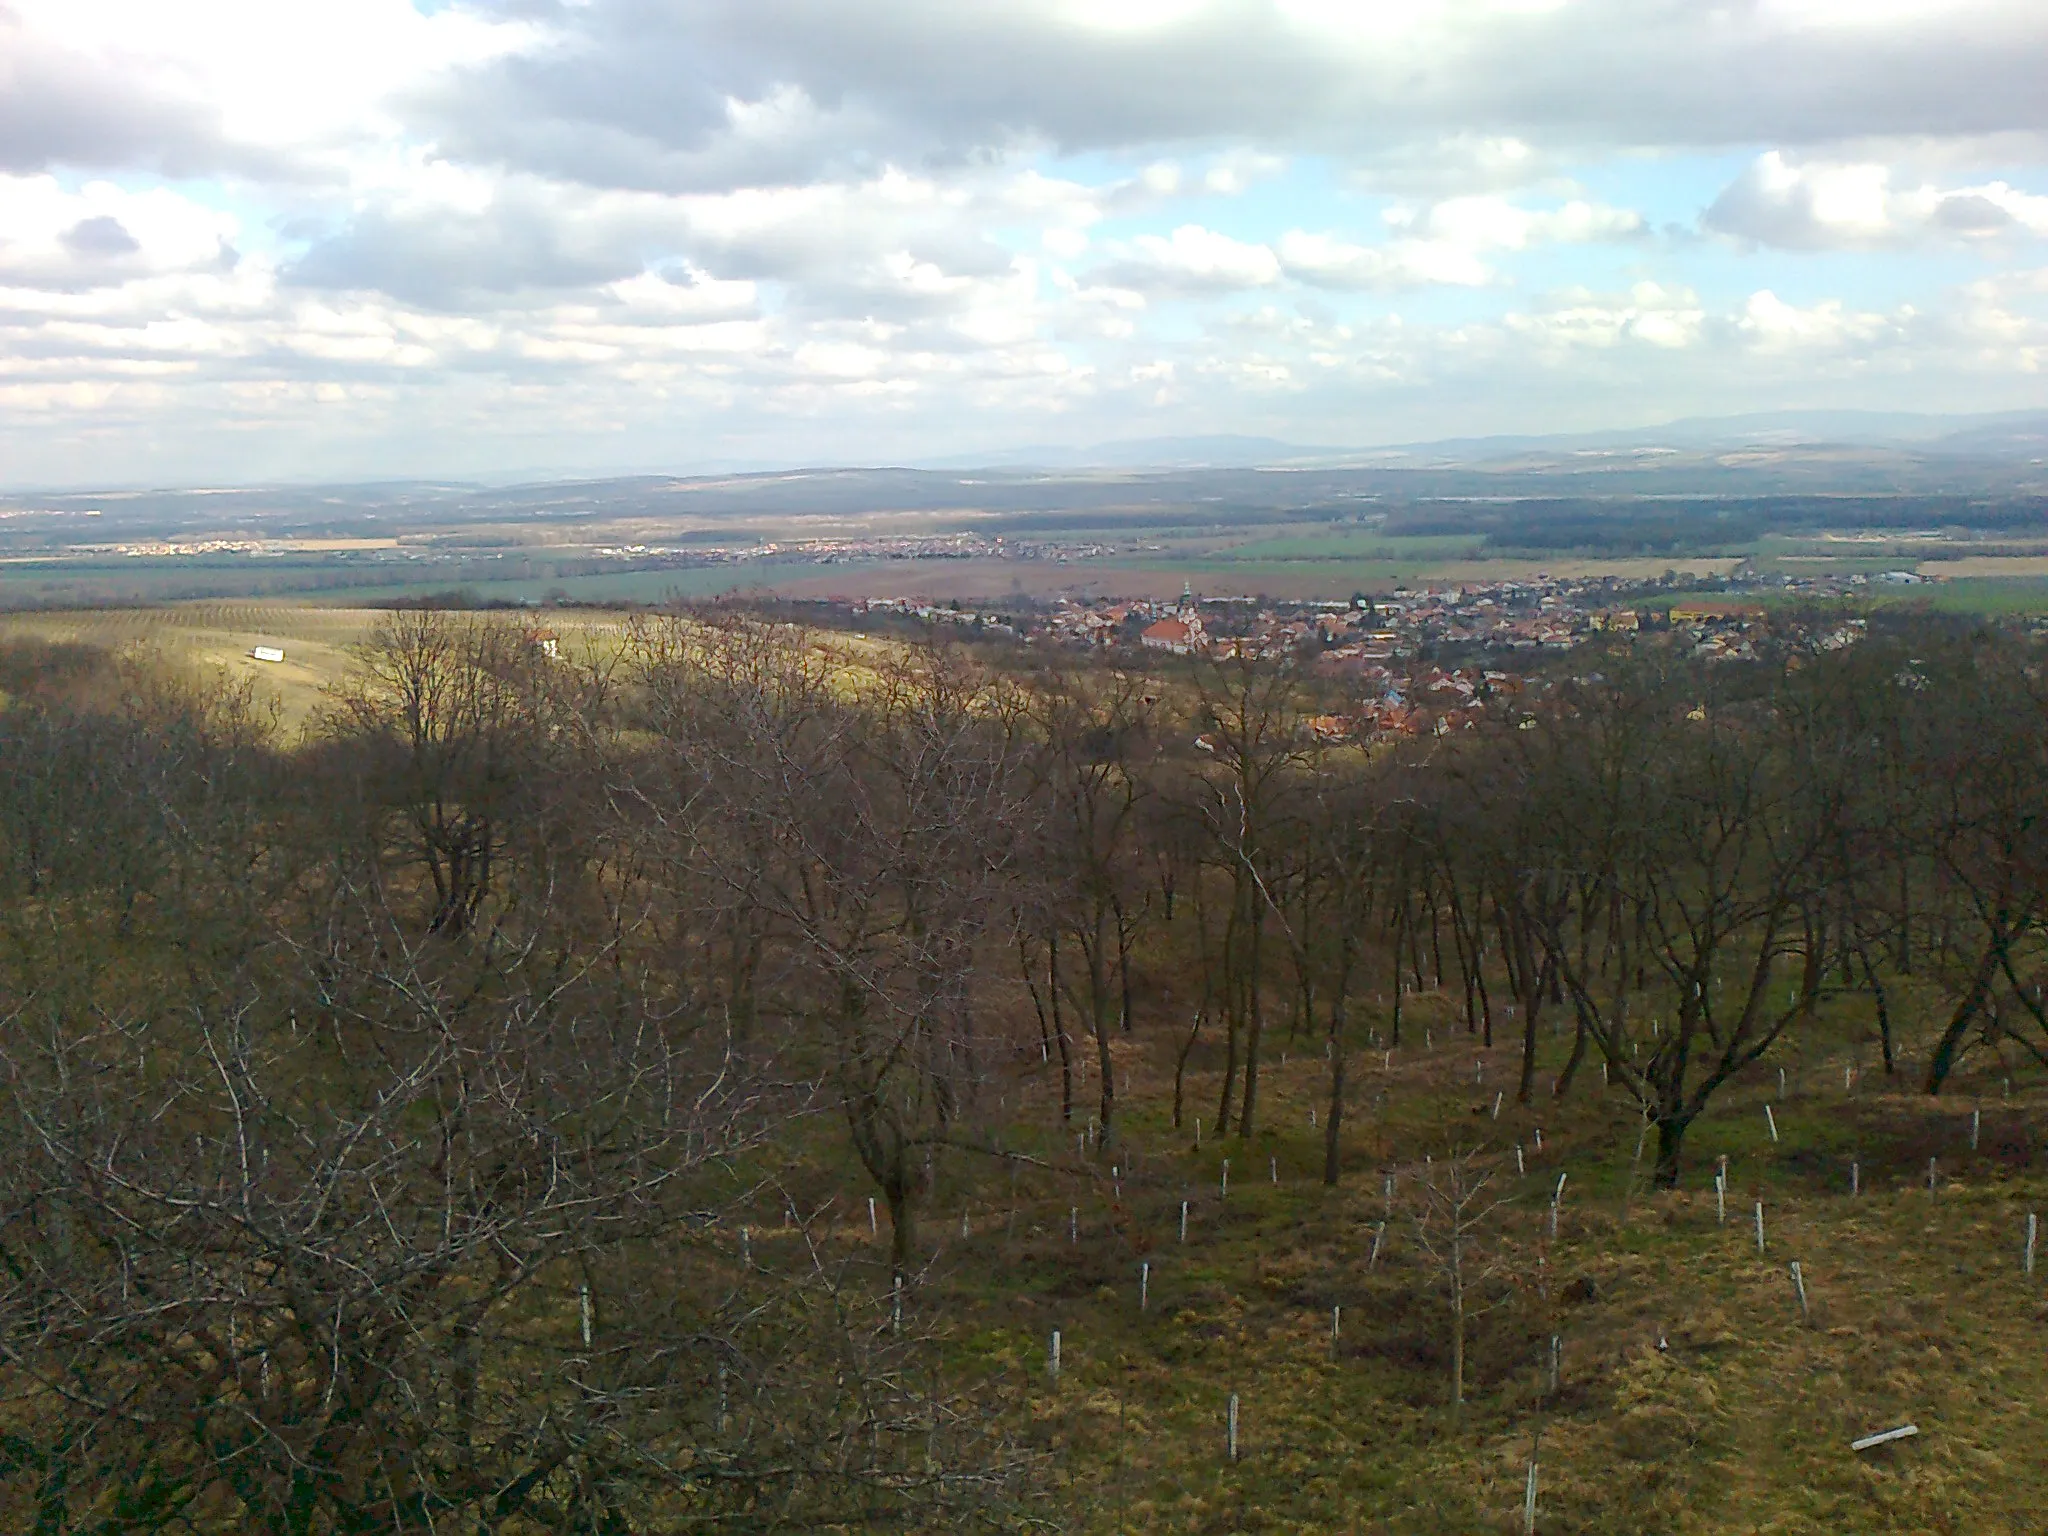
{"x":1427,"y":660}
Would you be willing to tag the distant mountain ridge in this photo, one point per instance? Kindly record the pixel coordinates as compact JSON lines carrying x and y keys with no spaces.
{"x":2004,"y":434}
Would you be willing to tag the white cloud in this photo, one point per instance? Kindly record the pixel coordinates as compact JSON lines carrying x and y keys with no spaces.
{"x":103,"y":234}
{"x":287,"y":85}
{"x":1491,"y":222}
{"x":1820,"y":205}
{"x":1195,"y":260}
{"x":1325,"y":261}
{"x":429,"y":229}
{"x":1649,"y":315}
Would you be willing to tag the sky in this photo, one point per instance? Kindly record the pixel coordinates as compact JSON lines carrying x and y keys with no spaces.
{"x":247,"y":240}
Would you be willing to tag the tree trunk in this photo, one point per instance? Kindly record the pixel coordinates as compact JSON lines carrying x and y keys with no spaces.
{"x":1333,"y":1120}
{"x":1059,"y":1033}
{"x":1671,"y":1131}
{"x":1571,"y":1065}
{"x":1943,"y":1061}
{"x":1180,"y":1065}
{"x":902,"y":1230}
{"x":1457,"y":1348}
{"x":1107,"y":1098}
{"x":1248,"y":1110}
{"x":1123,"y":965}
{"x":1884,"y":1012}
{"x":1528,"y":1081}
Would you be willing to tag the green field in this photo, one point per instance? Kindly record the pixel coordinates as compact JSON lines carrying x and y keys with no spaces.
{"x":1338,"y":546}
{"x":78,"y":584}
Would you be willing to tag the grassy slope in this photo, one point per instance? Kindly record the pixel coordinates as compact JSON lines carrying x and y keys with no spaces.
{"x":1920,"y":1312}
{"x":206,"y":636}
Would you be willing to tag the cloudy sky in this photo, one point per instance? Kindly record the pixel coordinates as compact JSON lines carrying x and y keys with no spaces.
{"x":246,"y":239}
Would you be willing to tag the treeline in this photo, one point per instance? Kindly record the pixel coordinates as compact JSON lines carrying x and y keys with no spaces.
{"x":434,"y":1122}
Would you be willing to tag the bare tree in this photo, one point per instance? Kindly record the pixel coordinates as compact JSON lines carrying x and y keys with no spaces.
{"x":1090,"y":732}
{"x":1249,"y":723}
{"x":1452,"y":1216}
{"x":880,"y":838}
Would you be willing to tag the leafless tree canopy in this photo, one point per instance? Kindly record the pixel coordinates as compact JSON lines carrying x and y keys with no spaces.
{"x":464,"y":1118}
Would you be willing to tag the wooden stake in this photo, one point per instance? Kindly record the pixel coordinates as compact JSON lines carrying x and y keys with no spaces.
{"x":1183,"y":1221}
{"x":1145,"y":1286}
{"x":1855,"y":1178}
{"x":1772,"y":1121}
{"x":1496,"y":1104}
{"x":1226,"y":1180}
{"x":1556,"y":1362}
{"x":1799,"y":1284}
{"x":1233,"y":1426}
{"x":2033,"y":1230}
{"x":1273,"y":1166}
{"x":1378,"y":1233}
{"x":586,"y":1299}
{"x":1052,"y":1363}
{"x":1529,"y":1504}
{"x":1520,"y":1166}
{"x":873,"y":1230}
{"x":1759,"y":1226}
{"x":1336,"y":1329}
{"x":1976,"y":1126}
{"x":1931,"y":1176}
{"x":1073,"y":1224}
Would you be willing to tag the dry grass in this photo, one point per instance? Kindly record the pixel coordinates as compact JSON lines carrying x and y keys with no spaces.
{"x":220,"y":637}
{"x":1984,"y":565}
{"x":319,"y":642}
{"x":1695,"y":1397}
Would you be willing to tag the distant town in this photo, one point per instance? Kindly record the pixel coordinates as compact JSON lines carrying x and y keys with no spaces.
{"x":1428,"y":659}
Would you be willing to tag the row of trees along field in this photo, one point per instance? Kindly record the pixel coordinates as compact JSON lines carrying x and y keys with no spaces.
{"x":448,"y":1120}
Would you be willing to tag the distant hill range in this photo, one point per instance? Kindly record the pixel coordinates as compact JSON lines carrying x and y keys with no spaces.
{"x":1219,"y":481}
{"x":2018,"y":435}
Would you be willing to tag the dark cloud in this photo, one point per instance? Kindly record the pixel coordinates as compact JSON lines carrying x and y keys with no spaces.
{"x":58,"y":108}
{"x":1970,"y":213}
{"x":641,"y":92}
{"x":100,"y":239}
{"x":448,"y":260}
